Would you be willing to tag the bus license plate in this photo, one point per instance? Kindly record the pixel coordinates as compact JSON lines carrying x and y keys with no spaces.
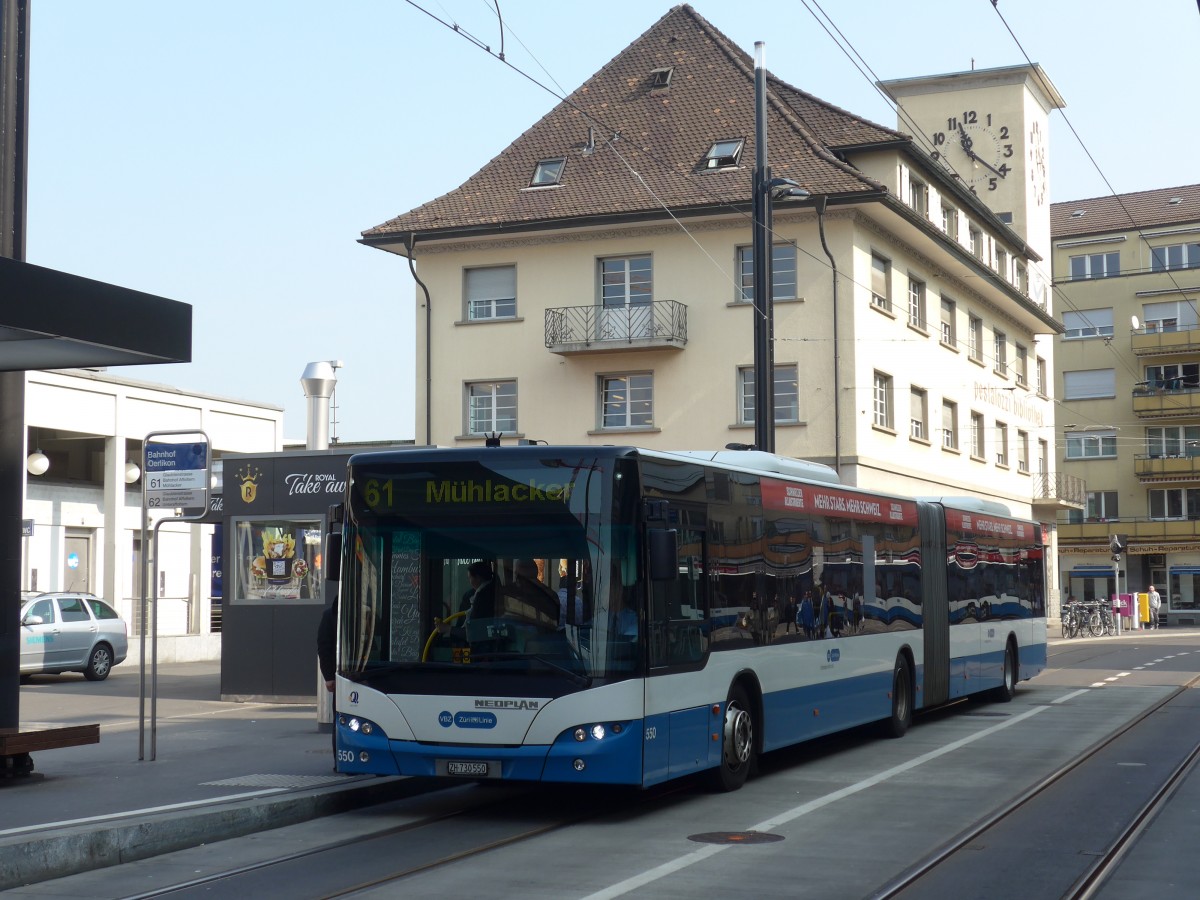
{"x":458,"y":767}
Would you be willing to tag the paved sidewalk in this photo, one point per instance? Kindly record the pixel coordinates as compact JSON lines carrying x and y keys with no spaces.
{"x":220,"y":770}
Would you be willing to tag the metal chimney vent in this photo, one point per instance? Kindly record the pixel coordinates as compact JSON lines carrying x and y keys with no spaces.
{"x":319,"y":380}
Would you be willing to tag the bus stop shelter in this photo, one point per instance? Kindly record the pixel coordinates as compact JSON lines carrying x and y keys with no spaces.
{"x":53,"y":320}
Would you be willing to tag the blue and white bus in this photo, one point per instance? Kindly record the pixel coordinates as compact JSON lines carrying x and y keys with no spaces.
{"x":592,"y":639}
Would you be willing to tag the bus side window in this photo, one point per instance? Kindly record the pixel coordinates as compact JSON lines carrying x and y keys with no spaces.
{"x":679,"y":607}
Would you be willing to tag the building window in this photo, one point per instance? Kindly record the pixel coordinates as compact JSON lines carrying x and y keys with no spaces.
{"x":1175,"y":503}
{"x":626,"y":292}
{"x":1088,"y":323}
{"x":492,"y":407}
{"x":1001,"y":444}
{"x":1171,"y":315}
{"x":950,"y":221}
{"x":916,"y":303}
{"x":975,"y":337}
{"x":949,"y":425}
{"x":787,"y":395}
{"x":1102,"y":505}
{"x":1091,"y":445}
{"x":1000,"y":352}
{"x":1041,"y":377}
{"x":949,"y":334}
{"x":491,"y":293}
{"x":1002,"y":263}
{"x":627,"y":401}
{"x":918,"y":195}
{"x":1022,"y":278}
{"x":976,"y":242}
{"x":783,"y":272}
{"x":1095,"y":265}
{"x":1022,"y":366}
{"x":1173,"y":440}
{"x":1173,"y":376}
{"x":1043,"y":455}
{"x":881,"y":282}
{"x":723,"y":154}
{"x":918,"y":427}
{"x":883,"y":400}
{"x":1023,"y":451}
{"x":547,"y":172}
{"x":1175,"y":256}
{"x":1090,"y":384}
{"x":977,"y":435}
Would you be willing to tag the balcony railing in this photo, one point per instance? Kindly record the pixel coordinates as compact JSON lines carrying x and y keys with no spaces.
{"x":1059,"y":490}
{"x":1176,"y":467}
{"x":1160,"y":342}
{"x":592,"y":329}
{"x":1166,"y":400}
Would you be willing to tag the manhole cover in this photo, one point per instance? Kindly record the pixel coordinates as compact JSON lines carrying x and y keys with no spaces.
{"x":735,"y":837}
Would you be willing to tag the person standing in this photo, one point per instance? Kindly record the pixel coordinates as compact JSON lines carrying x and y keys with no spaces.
{"x":1155,"y":603}
{"x":327,"y":661}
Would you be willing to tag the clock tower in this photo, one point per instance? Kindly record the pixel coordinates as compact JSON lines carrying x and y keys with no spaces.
{"x":989,"y":127}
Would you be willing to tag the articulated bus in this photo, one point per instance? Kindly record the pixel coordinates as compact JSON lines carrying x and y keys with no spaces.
{"x":623,"y":616}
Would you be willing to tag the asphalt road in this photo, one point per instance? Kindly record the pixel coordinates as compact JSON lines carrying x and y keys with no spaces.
{"x":843,"y":815}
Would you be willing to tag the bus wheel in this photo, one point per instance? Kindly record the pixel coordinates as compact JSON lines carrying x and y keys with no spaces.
{"x":902,"y":696}
{"x":737,"y":743}
{"x":1008,"y":678}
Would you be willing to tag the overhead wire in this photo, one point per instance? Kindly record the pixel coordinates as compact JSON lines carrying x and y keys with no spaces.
{"x":1112,"y":191}
{"x":609,"y":142}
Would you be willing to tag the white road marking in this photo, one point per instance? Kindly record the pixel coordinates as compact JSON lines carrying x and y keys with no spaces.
{"x":1100,"y":684}
{"x":1071,"y":696}
{"x":630,"y":884}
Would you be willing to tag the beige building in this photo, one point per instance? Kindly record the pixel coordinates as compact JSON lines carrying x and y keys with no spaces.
{"x":593,"y":284}
{"x":1129,"y":381}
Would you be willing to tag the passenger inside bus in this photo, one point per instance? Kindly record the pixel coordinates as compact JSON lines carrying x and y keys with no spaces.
{"x":528,"y":599}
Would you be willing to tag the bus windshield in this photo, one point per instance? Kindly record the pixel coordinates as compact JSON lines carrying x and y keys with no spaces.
{"x":490,"y":568}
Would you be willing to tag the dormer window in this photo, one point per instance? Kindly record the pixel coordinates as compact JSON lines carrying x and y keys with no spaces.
{"x":723,"y":154}
{"x":547,"y":172}
{"x":661,"y":78}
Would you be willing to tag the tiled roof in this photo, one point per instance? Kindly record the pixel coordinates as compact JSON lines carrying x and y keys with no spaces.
{"x":663,"y":135}
{"x":1126,"y":212}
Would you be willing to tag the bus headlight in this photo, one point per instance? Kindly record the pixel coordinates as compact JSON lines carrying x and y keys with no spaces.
{"x":598,"y":732}
{"x":580,"y":734}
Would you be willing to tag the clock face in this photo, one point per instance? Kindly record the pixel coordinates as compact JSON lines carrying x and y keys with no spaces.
{"x":978,"y":146}
{"x":1037,"y":164}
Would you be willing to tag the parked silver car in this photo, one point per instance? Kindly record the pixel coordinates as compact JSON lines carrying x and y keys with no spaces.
{"x":71,"y":632}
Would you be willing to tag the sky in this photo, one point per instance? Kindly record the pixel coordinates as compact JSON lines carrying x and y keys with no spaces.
{"x":229,"y":153}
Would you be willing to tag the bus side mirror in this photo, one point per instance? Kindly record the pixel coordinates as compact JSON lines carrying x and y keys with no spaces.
{"x":333,"y":556}
{"x":664,"y":554}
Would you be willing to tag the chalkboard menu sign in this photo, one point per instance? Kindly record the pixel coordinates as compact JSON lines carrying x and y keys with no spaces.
{"x":406,"y":596}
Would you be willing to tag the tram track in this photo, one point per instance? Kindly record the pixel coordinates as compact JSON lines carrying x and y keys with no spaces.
{"x":382,"y":843}
{"x":974,"y":850}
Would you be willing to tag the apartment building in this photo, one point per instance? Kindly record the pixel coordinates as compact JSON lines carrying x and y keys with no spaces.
{"x":1127,"y":279}
{"x":593,"y":284}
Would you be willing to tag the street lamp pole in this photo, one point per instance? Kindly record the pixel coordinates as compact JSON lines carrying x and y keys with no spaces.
{"x":764,"y":314}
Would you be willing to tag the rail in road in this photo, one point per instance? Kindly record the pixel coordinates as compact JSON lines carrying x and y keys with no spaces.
{"x":1122,"y":781}
{"x":1102,"y":735}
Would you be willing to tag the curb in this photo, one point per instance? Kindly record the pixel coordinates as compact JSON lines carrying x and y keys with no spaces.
{"x":58,"y":852}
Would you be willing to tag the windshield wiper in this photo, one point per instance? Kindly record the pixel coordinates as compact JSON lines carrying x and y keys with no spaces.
{"x":582,"y":680}
{"x":365,"y":675}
